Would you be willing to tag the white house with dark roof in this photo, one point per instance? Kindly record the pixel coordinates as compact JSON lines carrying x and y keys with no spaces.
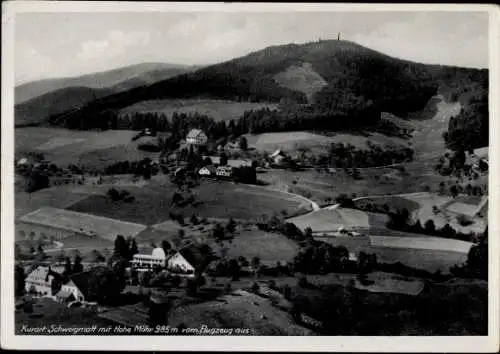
{"x":39,"y":281}
{"x":157,"y":258}
{"x":224,"y":171}
{"x":196,"y":137}
{"x":207,"y":171}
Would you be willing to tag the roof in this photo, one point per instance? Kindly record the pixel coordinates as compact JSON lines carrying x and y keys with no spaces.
{"x":194,"y":133}
{"x":482,"y":152}
{"x":82,"y":223}
{"x":40,"y":272}
{"x":195,"y":257}
{"x":81,"y":281}
{"x":22,"y":161}
{"x":276,"y":153}
{"x":158,"y":252}
{"x":209,"y":168}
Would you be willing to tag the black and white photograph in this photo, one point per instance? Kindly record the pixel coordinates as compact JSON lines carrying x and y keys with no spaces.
{"x":238,"y":170}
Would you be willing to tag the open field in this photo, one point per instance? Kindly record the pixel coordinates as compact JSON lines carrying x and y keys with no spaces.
{"x":326,"y":220}
{"x":90,"y":148}
{"x":56,"y":197}
{"x":433,"y":255}
{"x":427,"y":140}
{"x":216,"y":199}
{"x":220,"y":110}
{"x":301,"y":78}
{"x":292,"y":141}
{"x":449,"y":209}
{"x":82,"y":222}
{"x":268,"y":247}
{"x":427,"y":243}
{"x":324,"y":187}
{"x":78,"y":241}
{"x":389,"y":283}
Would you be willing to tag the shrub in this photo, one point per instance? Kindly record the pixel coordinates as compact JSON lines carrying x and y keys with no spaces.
{"x":344,"y":201}
{"x":464,"y":220}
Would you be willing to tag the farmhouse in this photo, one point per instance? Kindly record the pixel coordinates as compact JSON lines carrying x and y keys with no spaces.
{"x":207,"y":171}
{"x":188,"y":262}
{"x":39,"y":281}
{"x":278,"y":157}
{"x":224,"y":171}
{"x":23,"y":161}
{"x":76,"y":289}
{"x":48,"y":222}
{"x":196,"y":137}
{"x":149,"y":261}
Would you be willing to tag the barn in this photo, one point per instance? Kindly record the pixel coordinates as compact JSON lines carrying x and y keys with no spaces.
{"x":58,"y":224}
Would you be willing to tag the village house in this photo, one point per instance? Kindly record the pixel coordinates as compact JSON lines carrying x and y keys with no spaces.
{"x":39,"y":281}
{"x":278,"y":157}
{"x":196,"y":137}
{"x":207,"y":171}
{"x":23,"y":161}
{"x":188,"y":262}
{"x":76,"y":289}
{"x":149,"y":261}
{"x":224,"y":171}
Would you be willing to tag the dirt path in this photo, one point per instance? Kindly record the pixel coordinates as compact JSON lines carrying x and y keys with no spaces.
{"x":313,"y":204}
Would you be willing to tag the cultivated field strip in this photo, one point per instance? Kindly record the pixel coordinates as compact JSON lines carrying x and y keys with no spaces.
{"x":81,"y":222}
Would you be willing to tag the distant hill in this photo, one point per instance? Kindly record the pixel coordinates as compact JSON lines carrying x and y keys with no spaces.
{"x":36,"y":110}
{"x":333,"y":80}
{"x":118,"y":79}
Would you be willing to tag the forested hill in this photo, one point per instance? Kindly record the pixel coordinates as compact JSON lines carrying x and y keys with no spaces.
{"x":337,"y":79}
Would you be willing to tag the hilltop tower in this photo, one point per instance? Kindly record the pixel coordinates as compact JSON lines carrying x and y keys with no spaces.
{"x":338,"y":36}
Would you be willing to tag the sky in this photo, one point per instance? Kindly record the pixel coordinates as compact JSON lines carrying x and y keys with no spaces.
{"x":52,"y":45}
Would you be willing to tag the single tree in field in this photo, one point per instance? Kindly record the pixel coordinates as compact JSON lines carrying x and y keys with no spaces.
{"x":165,"y":245}
{"x":133,"y":249}
{"x":77,"y":265}
{"x":255,"y":262}
{"x":68,"y":268}
{"x":231,"y":225}
{"x":121,"y":247}
{"x":234,"y":269}
{"x":430,"y":227}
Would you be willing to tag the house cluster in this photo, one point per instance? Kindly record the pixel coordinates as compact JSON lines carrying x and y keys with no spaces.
{"x":185,"y":262}
{"x":217,"y":169}
{"x":41,"y":282}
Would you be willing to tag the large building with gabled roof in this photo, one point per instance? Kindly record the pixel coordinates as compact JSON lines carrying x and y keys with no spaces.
{"x":196,"y":137}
